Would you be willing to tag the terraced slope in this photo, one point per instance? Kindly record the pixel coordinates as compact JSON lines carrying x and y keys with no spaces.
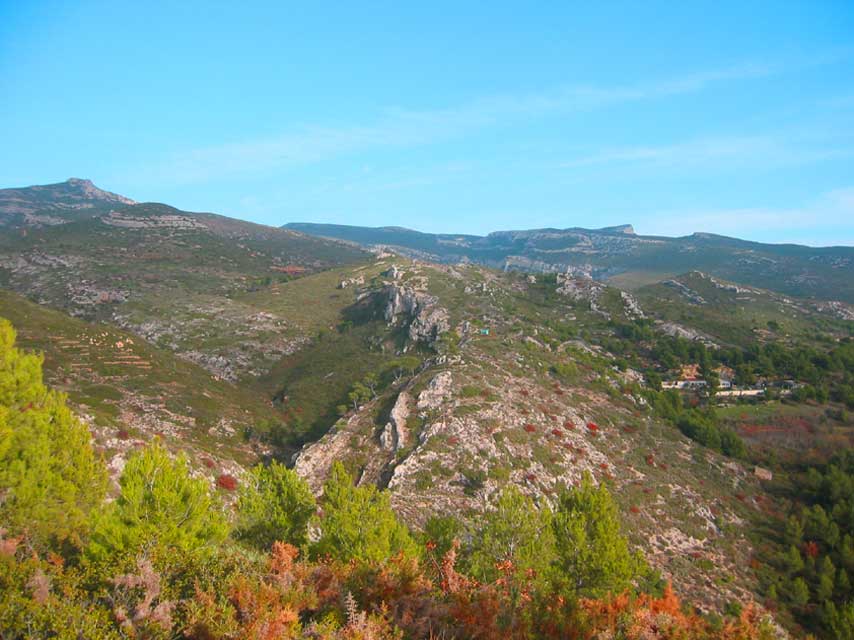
{"x":173,"y":277}
{"x":129,"y":391}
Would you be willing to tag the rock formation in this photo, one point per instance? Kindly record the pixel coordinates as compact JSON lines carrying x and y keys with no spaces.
{"x":426,"y":320}
{"x":394,"y":435}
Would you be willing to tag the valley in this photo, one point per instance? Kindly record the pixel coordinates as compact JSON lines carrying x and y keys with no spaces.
{"x":446,"y":370}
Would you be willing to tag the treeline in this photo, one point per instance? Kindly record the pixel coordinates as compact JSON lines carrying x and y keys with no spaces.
{"x":813,"y":571}
{"x":699,"y":424}
{"x":825,"y":374}
{"x":821,"y":375}
{"x":165,"y":558}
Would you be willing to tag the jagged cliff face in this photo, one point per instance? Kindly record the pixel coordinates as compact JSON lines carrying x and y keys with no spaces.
{"x":491,"y":412}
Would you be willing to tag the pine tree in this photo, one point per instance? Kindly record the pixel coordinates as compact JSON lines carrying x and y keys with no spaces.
{"x":794,"y":531}
{"x":826,"y":579}
{"x":793,"y":561}
{"x":440,"y":532}
{"x":799,"y":592}
{"x":358,"y":522}
{"x":843,"y":582}
{"x":839,"y":621}
{"x":275,"y":504}
{"x":515,"y":535}
{"x":593,"y":556}
{"x":49,"y":476}
{"x":160,"y":504}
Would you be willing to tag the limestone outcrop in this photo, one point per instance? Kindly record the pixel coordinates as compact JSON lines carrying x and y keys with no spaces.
{"x":419,"y":311}
{"x":394,"y":434}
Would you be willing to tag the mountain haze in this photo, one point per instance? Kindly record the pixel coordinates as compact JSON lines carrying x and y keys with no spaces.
{"x":618,"y":254}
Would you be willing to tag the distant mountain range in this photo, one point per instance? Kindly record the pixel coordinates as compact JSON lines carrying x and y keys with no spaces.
{"x":619,"y":255}
{"x":69,"y":209}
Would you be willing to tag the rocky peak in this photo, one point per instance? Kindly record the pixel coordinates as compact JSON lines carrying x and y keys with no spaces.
{"x":87,"y":189}
{"x":82,"y":183}
{"x":627,"y":229}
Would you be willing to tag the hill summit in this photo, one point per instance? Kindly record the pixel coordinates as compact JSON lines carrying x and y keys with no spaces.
{"x":49,"y":204}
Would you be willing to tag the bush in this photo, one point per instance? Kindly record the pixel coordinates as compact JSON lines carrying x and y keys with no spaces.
{"x":227,"y":482}
{"x":593,"y":557}
{"x":564,"y":371}
{"x":515,"y":532}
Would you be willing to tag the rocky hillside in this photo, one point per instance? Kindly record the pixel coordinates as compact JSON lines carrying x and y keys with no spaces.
{"x":184,"y":281}
{"x":441,"y":381}
{"x":620,"y":255}
{"x":53,"y":204}
{"x":129,"y":392}
{"x":697,"y":303}
{"x":510,"y":398}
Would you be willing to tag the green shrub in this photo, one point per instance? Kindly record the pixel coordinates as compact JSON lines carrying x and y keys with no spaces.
{"x":49,"y":476}
{"x":159,"y":504}
{"x":358,"y":522}
{"x":275,"y":504}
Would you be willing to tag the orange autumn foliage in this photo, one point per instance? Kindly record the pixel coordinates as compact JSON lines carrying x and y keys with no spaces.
{"x":289,"y":597}
{"x":649,"y":618}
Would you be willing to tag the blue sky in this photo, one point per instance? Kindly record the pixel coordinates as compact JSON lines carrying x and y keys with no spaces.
{"x":734,"y":118}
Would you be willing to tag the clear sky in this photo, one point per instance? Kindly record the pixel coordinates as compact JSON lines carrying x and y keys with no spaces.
{"x":727,"y":117}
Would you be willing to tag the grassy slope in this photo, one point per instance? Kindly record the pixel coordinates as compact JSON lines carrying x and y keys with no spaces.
{"x":351,"y":342}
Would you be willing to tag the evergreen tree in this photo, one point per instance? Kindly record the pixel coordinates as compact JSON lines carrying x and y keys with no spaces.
{"x":799,"y":592}
{"x":440,"y":533}
{"x":275,"y":504}
{"x":160,"y":504}
{"x":793,"y":561}
{"x":843,"y":582}
{"x":826,"y":580}
{"x":49,"y":476}
{"x":593,"y":556}
{"x":515,"y":532}
{"x":358,"y":522}
{"x":839,"y":621}
{"x":794,"y":533}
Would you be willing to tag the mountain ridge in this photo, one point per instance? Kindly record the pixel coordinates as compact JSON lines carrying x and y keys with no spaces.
{"x":612,"y":252}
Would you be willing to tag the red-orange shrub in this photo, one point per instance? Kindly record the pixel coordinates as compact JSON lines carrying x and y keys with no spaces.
{"x":227,"y":482}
